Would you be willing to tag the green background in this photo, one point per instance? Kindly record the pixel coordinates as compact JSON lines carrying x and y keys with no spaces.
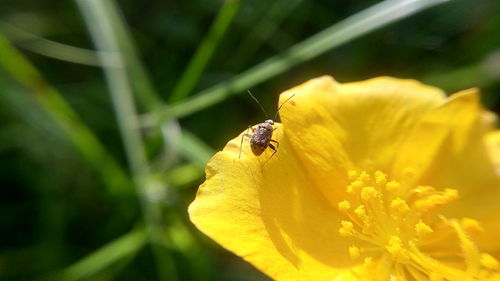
{"x":110,"y":110}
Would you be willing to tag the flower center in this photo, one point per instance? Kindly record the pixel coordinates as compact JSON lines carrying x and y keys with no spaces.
{"x":393,"y":220}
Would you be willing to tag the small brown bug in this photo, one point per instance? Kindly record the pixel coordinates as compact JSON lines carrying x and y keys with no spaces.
{"x":261,"y":137}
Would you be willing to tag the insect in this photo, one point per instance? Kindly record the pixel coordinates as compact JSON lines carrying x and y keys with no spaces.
{"x":261,"y":137}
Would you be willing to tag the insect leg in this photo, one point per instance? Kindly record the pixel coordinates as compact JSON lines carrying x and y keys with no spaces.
{"x":243,"y":137}
{"x":277,"y":143}
{"x":273,"y":148}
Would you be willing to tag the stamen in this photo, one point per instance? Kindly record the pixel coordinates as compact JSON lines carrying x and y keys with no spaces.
{"x":344,"y":206}
{"x":391,"y":219}
{"x":355,"y":186}
{"x":361,"y":212}
{"x":469,"y":249}
{"x":436,"y":199}
{"x":352,"y":174}
{"x":451,"y":194}
{"x":364,"y":177}
{"x":399,"y":205}
{"x":392,"y":186}
{"x":489,"y":262}
{"x":423,"y":190}
{"x":422,"y":229}
{"x":396,"y":248}
{"x":380,"y":178}
{"x":367,"y":220}
{"x":471,"y":226}
{"x":347,"y":228}
{"x":368,"y":261}
{"x":368,"y":193}
{"x":354,"y":252}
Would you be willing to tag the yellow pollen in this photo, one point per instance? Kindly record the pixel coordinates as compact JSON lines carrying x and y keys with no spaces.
{"x":367,"y":220}
{"x":436,"y":199}
{"x":364,"y":177}
{"x":368,"y":193}
{"x":423,"y":190}
{"x":360,"y":211}
{"x":369,"y":267}
{"x":392,"y":186}
{"x":489,"y":262}
{"x":347,"y":228}
{"x":422,"y":229}
{"x":352,"y":174}
{"x":355,"y":186}
{"x":424,"y":205}
{"x":471,"y":226}
{"x":395,"y":247}
{"x":451,"y":194}
{"x":389,"y":216}
{"x":354,"y":252}
{"x":344,"y":206}
{"x":380,"y":178}
{"x":399,"y":205}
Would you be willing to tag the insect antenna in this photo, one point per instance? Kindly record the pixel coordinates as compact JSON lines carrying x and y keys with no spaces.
{"x":277,"y":111}
{"x":261,"y":107}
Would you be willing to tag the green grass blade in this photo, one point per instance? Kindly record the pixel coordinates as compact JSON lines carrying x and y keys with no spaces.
{"x":103,"y":35}
{"x":146,"y":95}
{"x":36,"y":44}
{"x":266,"y":26}
{"x":195,"y":150}
{"x":183,"y":176}
{"x":121,"y":248}
{"x":105,"y":38}
{"x":371,"y":19}
{"x":195,"y":68}
{"x":52,"y":101}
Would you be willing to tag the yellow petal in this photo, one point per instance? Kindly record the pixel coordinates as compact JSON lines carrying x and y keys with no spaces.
{"x":270,"y":214}
{"x":338,"y":127}
{"x":493,"y":145}
{"x":282,"y":215}
{"x":464,"y":161}
{"x":440,"y":135}
{"x":458,"y":155}
{"x":480,"y":173}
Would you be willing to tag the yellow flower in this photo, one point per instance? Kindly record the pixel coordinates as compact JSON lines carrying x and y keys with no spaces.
{"x":384,"y":179}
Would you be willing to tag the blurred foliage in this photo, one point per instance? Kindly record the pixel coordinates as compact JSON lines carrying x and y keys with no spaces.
{"x":96,"y":185}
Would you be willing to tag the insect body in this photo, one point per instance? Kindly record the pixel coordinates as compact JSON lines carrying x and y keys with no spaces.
{"x":261,"y":137}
